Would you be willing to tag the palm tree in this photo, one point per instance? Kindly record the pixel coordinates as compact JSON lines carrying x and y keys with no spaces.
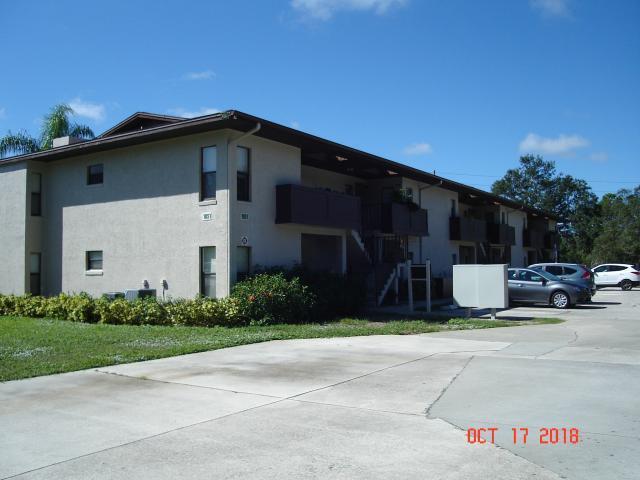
{"x":56,"y":124}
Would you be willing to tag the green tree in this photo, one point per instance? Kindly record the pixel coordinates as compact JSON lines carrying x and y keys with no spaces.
{"x":57,"y":123}
{"x":620,"y":230}
{"x":537,"y":183}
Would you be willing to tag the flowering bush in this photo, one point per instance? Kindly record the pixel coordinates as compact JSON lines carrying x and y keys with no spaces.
{"x":266,"y":299}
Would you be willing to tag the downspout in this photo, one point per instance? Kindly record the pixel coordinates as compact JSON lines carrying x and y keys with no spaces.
{"x":233,"y":139}
{"x":420,"y":205}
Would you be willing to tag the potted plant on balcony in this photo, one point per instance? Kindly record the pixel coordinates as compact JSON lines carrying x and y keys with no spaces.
{"x":403,"y":196}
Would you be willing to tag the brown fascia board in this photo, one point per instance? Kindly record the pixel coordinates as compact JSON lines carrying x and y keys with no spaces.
{"x":237,"y":120}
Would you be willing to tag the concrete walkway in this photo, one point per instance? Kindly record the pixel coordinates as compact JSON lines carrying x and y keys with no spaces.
{"x":364,"y":407}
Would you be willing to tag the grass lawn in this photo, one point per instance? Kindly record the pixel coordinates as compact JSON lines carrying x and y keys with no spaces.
{"x":30,"y":347}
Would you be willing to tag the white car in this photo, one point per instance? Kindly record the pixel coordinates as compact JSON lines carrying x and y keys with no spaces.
{"x":620,"y":275}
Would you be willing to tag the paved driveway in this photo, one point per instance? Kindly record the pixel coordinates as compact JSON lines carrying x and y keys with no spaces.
{"x":366,"y":407}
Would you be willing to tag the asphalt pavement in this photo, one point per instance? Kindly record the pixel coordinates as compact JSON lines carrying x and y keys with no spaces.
{"x":422,"y":407}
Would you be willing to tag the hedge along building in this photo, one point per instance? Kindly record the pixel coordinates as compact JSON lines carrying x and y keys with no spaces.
{"x":189,"y":206}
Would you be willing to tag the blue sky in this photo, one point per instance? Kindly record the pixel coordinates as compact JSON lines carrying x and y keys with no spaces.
{"x":459,"y":87}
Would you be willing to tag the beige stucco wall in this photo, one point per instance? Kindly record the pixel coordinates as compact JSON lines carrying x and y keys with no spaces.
{"x":516,"y":219}
{"x":147,"y":217}
{"x":318,"y":178}
{"x":13,"y":210}
{"x":436,"y":247}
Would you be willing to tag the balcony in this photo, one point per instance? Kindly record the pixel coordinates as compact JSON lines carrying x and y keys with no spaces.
{"x":396,"y":218}
{"x":314,"y":206}
{"x":500,"y":234}
{"x":467,"y":229}
{"x":533,"y":238}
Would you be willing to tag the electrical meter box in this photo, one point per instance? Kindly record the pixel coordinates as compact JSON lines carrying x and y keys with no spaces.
{"x":480,"y":286}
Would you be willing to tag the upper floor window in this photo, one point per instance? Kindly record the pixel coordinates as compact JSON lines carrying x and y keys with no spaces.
{"x":95,"y":174}
{"x":208,"y":167}
{"x":453,"y":208}
{"x":36,"y":194}
{"x":244,"y":174}
{"x":504,"y":218}
{"x":94,"y":260}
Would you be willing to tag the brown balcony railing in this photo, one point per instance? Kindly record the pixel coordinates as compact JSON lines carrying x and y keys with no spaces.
{"x":533,"y":238}
{"x":394,"y":217}
{"x":467,"y":229}
{"x":314,"y":206}
{"x":501,"y":234}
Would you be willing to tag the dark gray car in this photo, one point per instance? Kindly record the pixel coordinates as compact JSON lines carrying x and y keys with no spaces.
{"x":535,"y":286}
{"x":569,"y":271}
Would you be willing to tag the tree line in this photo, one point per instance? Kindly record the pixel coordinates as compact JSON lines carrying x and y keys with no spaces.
{"x":592,"y":230}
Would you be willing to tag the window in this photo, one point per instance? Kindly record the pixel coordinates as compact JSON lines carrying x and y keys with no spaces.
{"x":208,"y":271}
{"x":554,"y":269}
{"x":94,"y":174}
{"x":454,"y":259}
{"x":243,"y":263}
{"x":453,"y":208}
{"x":569,"y":270}
{"x":35,"y":263}
{"x":601,"y":269}
{"x":244,"y":176}
{"x":616,"y":268}
{"x":504,"y":218}
{"x":94,"y":260}
{"x":513,"y":274}
{"x":36,"y":194}
{"x":348,"y":189}
{"x":208,"y":166}
{"x":529,"y":276}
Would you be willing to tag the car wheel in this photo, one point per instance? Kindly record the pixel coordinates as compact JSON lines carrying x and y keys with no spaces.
{"x":560,"y":300}
{"x":626,"y":285}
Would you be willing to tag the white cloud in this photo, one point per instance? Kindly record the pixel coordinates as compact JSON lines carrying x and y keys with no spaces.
{"x":325,"y":9}
{"x":599,"y":157}
{"x":295,"y":124}
{"x":204,"y":75}
{"x":561,"y":145}
{"x":421,"y":148}
{"x":181,"y":112}
{"x":94,"y":111}
{"x":551,"y":8}
{"x":3,"y":113}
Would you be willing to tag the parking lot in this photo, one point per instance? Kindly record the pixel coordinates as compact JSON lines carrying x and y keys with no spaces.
{"x":363,"y":407}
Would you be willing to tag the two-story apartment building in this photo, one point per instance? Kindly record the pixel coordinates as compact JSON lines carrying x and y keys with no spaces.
{"x":188,"y":206}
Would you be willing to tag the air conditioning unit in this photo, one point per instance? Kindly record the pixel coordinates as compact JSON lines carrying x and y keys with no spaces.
{"x":113,"y":295}
{"x":139,"y":293}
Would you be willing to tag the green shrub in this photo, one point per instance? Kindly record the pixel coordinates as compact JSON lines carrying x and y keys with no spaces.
{"x":265,"y":299}
{"x":7,"y":304}
{"x":204,"y":312}
{"x":336,"y":295}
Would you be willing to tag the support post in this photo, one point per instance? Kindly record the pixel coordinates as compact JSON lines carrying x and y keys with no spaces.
{"x":396,"y":280}
{"x":493,"y":314}
{"x":427,"y":277}
{"x":409,"y":286}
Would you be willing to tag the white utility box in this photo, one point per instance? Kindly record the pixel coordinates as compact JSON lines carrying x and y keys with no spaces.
{"x":480,"y":286}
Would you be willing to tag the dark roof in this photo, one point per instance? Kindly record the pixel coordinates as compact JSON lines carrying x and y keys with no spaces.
{"x":316,"y":151}
{"x":141,"y":121}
